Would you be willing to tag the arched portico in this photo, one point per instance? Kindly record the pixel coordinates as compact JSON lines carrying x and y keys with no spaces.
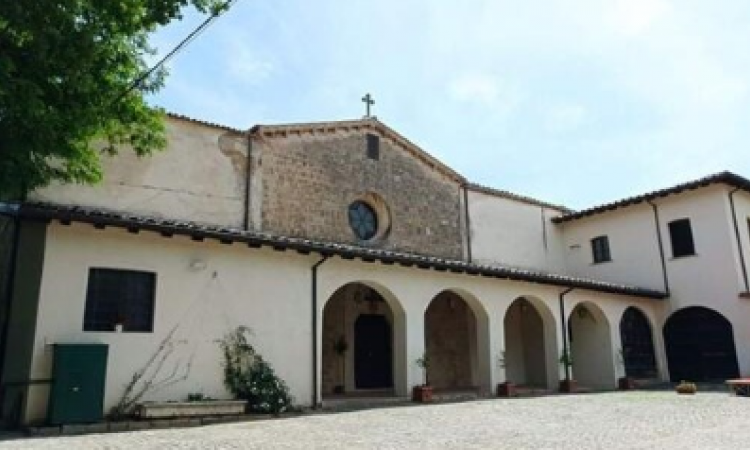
{"x":363,"y":341}
{"x":591,"y":347}
{"x":700,"y":346}
{"x":457,"y":342}
{"x":636,"y":338}
{"x":530,"y":354}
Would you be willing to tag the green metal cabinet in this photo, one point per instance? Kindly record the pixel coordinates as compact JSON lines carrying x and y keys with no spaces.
{"x":78,"y":377}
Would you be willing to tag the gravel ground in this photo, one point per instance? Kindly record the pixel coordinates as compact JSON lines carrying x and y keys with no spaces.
{"x":631,"y":420}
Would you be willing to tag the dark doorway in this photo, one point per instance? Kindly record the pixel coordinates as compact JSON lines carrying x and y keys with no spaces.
{"x":637,"y":345}
{"x":372,"y":352}
{"x":700,"y":346}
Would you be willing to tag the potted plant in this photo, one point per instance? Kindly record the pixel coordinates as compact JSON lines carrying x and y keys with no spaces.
{"x":341,"y":346}
{"x":567,"y":385}
{"x":624,"y":383}
{"x":423,"y":393}
{"x":506,"y":388}
{"x":686,"y":387}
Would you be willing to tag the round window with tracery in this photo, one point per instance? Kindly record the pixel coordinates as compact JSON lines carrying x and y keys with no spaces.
{"x":364,"y":220}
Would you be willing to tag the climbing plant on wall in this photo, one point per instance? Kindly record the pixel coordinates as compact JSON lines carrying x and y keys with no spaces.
{"x":249,"y":377}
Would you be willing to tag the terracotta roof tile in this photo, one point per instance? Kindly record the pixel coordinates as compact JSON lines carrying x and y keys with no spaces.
{"x":101,"y":217}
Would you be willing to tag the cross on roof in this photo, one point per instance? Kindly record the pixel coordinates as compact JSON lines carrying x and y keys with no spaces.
{"x":368,"y":100}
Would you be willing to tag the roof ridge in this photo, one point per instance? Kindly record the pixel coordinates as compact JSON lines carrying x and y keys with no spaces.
{"x":514,"y":196}
{"x":724,"y":176}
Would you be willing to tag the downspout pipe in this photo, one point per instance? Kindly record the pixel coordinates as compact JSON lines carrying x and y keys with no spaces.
{"x":743,"y":265}
{"x":564,"y":324}
{"x":657,"y":223}
{"x":315,"y":392}
{"x":248,"y":170}
{"x":468,"y":222}
{"x":10,"y":281}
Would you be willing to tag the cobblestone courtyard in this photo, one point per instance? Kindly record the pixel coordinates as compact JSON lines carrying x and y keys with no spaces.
{"x":659,"y":420}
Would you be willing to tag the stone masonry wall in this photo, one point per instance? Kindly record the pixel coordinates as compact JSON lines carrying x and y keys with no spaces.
{"x":303,"y":184}
{"x":449,"y":327}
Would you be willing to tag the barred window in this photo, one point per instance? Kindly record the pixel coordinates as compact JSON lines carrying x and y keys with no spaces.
{"x":600,"y":249}
{"x":123,"y":297}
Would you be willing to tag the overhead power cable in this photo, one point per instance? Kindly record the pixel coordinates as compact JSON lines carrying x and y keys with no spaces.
{"x":178,"y":48}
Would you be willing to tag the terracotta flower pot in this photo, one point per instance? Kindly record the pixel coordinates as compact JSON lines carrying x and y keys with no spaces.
{"x":626,"y":384}
{"x":568,"y":386}
{"x":686,"y":388}
{"x":421,"y":394}
{"x":506,"y":389}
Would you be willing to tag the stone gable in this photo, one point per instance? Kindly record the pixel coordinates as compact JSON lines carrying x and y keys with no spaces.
{"x":302,"y":184}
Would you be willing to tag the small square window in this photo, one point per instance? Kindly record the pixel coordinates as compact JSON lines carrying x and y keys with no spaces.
{"x":681,"y":236}
{"x":373,"y":147}
{"x":123,"y":297}
{"x":600,"y":249}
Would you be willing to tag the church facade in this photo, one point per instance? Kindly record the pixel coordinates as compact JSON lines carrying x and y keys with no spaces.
{"x":351,"y":253}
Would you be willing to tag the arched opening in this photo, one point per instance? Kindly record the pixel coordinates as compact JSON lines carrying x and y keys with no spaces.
{"x":591,"y":347}
{"x":530,"y":345}
{"x":360,"y":333}
{"x":700,"y":346}
{"x":451,"y":343}
{"x":637,"y":345}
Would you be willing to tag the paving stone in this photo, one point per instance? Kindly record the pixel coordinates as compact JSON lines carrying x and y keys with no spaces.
{"x":620,"y":420}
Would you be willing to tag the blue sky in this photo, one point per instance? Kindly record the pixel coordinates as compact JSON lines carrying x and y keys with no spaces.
{"x":575,"y":102}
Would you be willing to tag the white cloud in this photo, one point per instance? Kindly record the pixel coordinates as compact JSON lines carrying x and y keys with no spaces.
{"x":634,"y":17}
{"x":476,"y":88}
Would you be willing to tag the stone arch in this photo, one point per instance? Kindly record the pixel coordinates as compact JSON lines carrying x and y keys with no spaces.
{"x":700,"y":345}
{"x":636,"y":337}
{"x":457,"y":341}
{"x":590,"y":343}
{"x":530,"y":353}
{"x":363,"y":341}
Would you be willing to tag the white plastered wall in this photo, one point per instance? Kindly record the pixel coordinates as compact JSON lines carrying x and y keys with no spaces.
{"x":711,"y":278}
{"x":270,"y":292}
{"x":412,"y":289}
{"x":265,"y":290}
{"x":514,"y":233}
{"x":200,"y":176}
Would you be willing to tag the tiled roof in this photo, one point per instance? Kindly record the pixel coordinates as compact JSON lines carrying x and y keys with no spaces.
{"x":135,"y":223}
{"x":204,"y":122}
{"x":517,"y":197}
{"x":728,"y":178}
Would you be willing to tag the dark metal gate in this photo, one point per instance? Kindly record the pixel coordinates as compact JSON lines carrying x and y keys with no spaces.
{"x":700,"y":346}
{"x":637,"y":345}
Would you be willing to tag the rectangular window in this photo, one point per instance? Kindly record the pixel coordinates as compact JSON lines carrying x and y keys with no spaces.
{"x":600,"y":249}
{"x":373,"y":146}
{"x":123,"y":297}
{"x":682,"y":238}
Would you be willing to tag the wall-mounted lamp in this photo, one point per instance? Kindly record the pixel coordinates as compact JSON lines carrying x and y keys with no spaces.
{"x":198,"y":265}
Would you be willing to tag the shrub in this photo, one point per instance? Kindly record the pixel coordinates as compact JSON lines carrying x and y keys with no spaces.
{"x":248,"y":377}
{"x":685,"y":387}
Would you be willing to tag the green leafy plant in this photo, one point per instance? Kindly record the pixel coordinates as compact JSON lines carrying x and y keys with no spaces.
{"x":248,"y":377}
{"x":501,"y":359}
{"x":73,"y":75}
{"x":566,"y":359}
{"x":423,"y":362}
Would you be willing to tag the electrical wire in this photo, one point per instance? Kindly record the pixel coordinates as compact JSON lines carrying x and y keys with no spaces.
{"x":179,"y":47}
